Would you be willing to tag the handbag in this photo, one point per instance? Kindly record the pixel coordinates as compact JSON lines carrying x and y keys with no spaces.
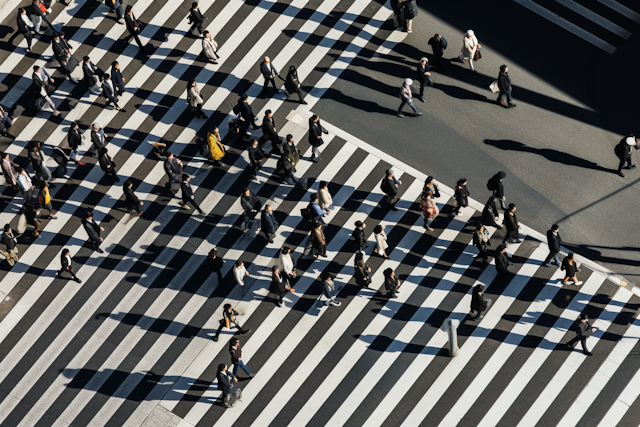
{"x":437,"y":193}
{"x":477,"y":55}
{"x":494,"y":87}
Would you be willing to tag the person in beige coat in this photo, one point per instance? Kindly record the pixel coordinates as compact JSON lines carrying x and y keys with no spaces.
{"x":469,"y":47}
{"x":210,"y":47}
{"x":325,"y":197}
{"x":194,"y":98}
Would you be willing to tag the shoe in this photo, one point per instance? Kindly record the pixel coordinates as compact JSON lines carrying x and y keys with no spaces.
{"x":185,"y":207}
{"x":28,"y":50}
{"x":548,"y":264}
{"x":323,"y":255}
{"x":429,"y":229}
{"x":279,"y":304}
{"x":74,"y":80}
{"x":419,"y":113}
{"x":569,"y":282}
{"x":79,"y":163}
{"x":393,"y":208}
{"x":78,"y":280}
{"x":400,"y":115}
{"x":246,"y":332}
{"x":512,"y":105}
{"x":394,"y":296}
{"x":36,"y":233}
{"x":52,"y":186}
{"x":271,"y":241}
{"x":516,"y":241}
{"x":303,"y":102}
{"x":421,"y":98}
{"x":215,"y":339}
{"x":503,"y":103}
{"x":621,"y":174}
{"x":56,"y":113}
{"x":633,"y":166}
{"x":251,"y":376}
{"x":117,"y":179}
{"x":475,"y":72}
{"x":100,"y":251}
{"x":579,"y":283}
{"x":588,"y":353}
{"x":53,"y":217}
{"x":121,"y":21}
{"x":140,"y":214}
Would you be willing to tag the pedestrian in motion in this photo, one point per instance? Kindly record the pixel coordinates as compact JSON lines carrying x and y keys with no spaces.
{"x":110,"y":93}
{"x":513,"y":227}
{"x":227,"y":383}
{"x":438,"y":44}
{"x":133,"y":26}
{"x":74,"y":139}
{"x":555,"y":242}
{"x":429,"y":209}
{"x":269,"y":73}
{"x":133,"y":203}
{"x":497,"y":187}
{"x":389,"y":186}
{"x":286,"y":263}
{"x":93,"y":230}
{"x":329,"y":289}
{"x":381,"y":241}
{"x":391,"y":283}
{"x":292,"y":84}
{"x":65,"y":262}
{"x":195,"y":100}
{"x":240,"y":272}
{"x":44,"y":199}
{"x":269,"y":223}
{"x":623,"y":151}
{"x":216,"y":148}
{"x":583,"y":331}
{"x":210,"y":47}
{"x":490,"y":214}
{"x":315,"y":137}
{"x":359,"y":238}
{"x":504,"y":84}
{"x":478,"y":303}
{"x":117,"y":79}
{"x":469,"y":49}
{"x":216,"y":263}
{"x":362,"y":271}
{"x":318,"y":241}
{"x":406,"y":97}
{"x":9,"y":170}
{"x":251,"y":205}
{"x":107,"y":164}
{"x":424,"y":76}
{"x":187,"y":194}
{"x":229,"y":321}
{"x":236,"y":357}
{"x":571,"y":270}
{"x":10,"y":241}
{"x":502,"y":262}
{"x":26,"y":27}
{"x":116,"y":7}
{"x":461,"y":195}
{"x":481,"y":241}
{"x":245,"y":112}
{"x":196,"y":17}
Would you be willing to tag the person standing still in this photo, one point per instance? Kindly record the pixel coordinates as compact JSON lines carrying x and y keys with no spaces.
{"x":481,"y":241}
{"x":583,"y":331}
{"x":470,"y":46}
{"x":502,"y":262}
{"x":236,"y":357}
{"x":555,"y":242}
{"x":406,"y":97}
{"x":504,"y":84}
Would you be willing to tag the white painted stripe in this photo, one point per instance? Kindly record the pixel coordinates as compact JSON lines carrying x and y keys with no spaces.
{"x":594,"y":17}
{"x":574,"y":361}
{"x":622,"y":9}
{"x":569,"y":26}
{"x":544,"y":350}
{"x":590,"y":393}
{"x":619,"y":409}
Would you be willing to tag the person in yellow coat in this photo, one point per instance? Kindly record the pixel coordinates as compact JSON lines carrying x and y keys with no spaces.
{"x":216,"y":149}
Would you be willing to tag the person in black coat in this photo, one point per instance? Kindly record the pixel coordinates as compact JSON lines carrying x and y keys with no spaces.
{"x":504,"y":84}
{"x":424,"y":76}
{"x":481,"y":241}
{"x":196,"y":17}
{"x":9,"y":240}
{"x":497,"y":187}
{"x":92,"y":74}
{"x":292,"y":84}
{"x":269,"y":132}
{"x":216,"y":263}
{"x":117,"y":79}
{"x":98,"y":138}
{"x":511,"y":222}
{"x":62,"y":54}
{"x":269,"y":73}
{"x":502,"y":262}
{"x":362,"y":271}
{"x":315,"y":137}
{"x":93,"y":230}
{"x":133,"y":26}
{"x":555,"y":242}
{"x":461,"y":195}
{"x":42,"y":79}
{"x":278,"y":285}
{"x":109,"y":92}
{"x":187,"y":194}
{"x":65,"y":262}
{"x":478,"y":303}
{"x":391,"y":283}
{"x":437,"y":46}
{"x":389,"y":186}
{"x":26,"y":27}
{"x":359,"y":237}
{"x":490,"y":214}
{"x":571,"y":270}
{"x":107,"y":164}
{"x":251,"y":205}
{"x":583,"y":331}
{"x":623,"y":151}
{"x":74,"y":139}
{"x":399,"y":20}
{"x":256,"y":158}
{"x":268,"y":223}
{"x":246,"y":114}
{"x":132,"y":201}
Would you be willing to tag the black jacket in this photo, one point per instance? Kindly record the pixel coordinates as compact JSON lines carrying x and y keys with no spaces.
{"x":116,"y":79}
{"x":436,"y":45}
{"x":269,"y":130}
{"x":268,"y":70}
{"x":245,"y":110}
{"x":389,"y":186}
{"x":358,"y":236}
{"x":569,"y":269}
{"x":391,"y":284}
{"x":250,"y":203}
{"x":58,"y":51}
{"x":583,"y":329}
{"x":90,"y":72}
{"x":268,"y":222}
{"x":130,"y":197}
{"x":132,"y":23}
{"x":461,"y":194}
{"x":197,"y":16}
{"x":421,"y":70}
{"x":291,"y":83}
{"x":106,"y":163}
{"x":187,"y":191}
{"x":22,"y":26}
{"x":362,"y":275}
{"x":226,"y":382}
{"x":255,"y":155}
{"x":489,"y":213}
{"x":478,"y":304}
{"x":278,"y":285}
{"x":511,"y":221}
{"x":74,"y":139}
{"x":215,"y":263}
{"x":97,"y":140}
{"x":504,"y":82}
{"x":498,"y":187}
{"x":92,"y":229}
{"x":9,"y":241}
{"x":64,"y":262}
{"x":554,"y":241}
{"x":315,"y":130}
{"x":502,"y":263}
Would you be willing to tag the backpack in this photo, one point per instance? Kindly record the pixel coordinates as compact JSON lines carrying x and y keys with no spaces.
{"x":491,"y":185}
{"x":236,"y":110}
{"x":443,"y":42}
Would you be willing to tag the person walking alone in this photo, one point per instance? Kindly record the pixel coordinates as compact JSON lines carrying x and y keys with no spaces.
{"x":571,"y":270}
{"x":502,"y":262}
{"x":133,"y":26}
{"x":292,"y":84}
{"x":240,"y":272}
{"x":511,"y":222}
{"x":583,"y":331}
{"x":268,"y":223}
{"x":481,"y":241}
{"x":269,"y":72}
{"x":318,"y":241}
{"x":555,"y":242}
{"x":110,"y":93}
{"x":623,"y":151}
{"x":406,"y":97}
{"x":359,"y":237}
{"x":132,"y":201}
{"x":438,"y":45}
{"x":236,"y":357}
{"x":195,"y":100}
{"x":9,"y":170}
{"x":216,"y":263}
{"x":251,"y":205}
{"x":216,"y":148}
{"x":278,"y":285}
{"x":107,"y":164}
{"x":461,"y":196}
{"x":26,"y":27}
{"x":196,"y":17}
{"x":93,"y":230}
{"x":389,"y":186}
{"x":490,"y":214}
{"x":329,"y":289}
{"x":65,"y":262}
{"x":74,"y":139}
{"x":362,"y":271}
{"x":470,"y":46}
{"x":44,"y":199}
{"x":315,"y":137}
{"x":497,"y":187}
{"x":391,"y":283}
{"x":429,"y":209}
{"x":187,"y":194}
{"x":504,"y":84}
{"x":381,"y":241}
{"x":478,"y":303}
{"x":11,"y":243}
{"x":227,"y":383}
{"x":210,"y":47}
{"x":229,"y":321}
{"x":424,"y":76}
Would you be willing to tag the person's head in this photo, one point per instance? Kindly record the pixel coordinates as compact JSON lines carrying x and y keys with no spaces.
{"x":36,"y":68}
{"x":570,"y":257}
{"x":469,"y":33}
{"x":388,"y":272}
{"x":42,"y":184}
{"x":86,"y":59}
{"x":247,"y":193}
{"x":194,"y":5}
{"x":359,"y":257}
{"x":502,"y":175}
{"x":501,"y":248}
{"x":129,"y":9}
{"x":285,"y":250}
{"x":479,"y":227}
{"x":377,"y":229}
{"x":313,"y":197}
{"x":437,"y":37}
{"x":7,"y":228}
{"x":428,"y":181}
{"x":555,"y":228}
{"x":423,"y":61}
{"x":317,"y":225}
{"x":127,"y":184}
{"x":205,"y":33}
{"x":408,"y":82}
{"x":292,"y":70}
{"x":325,"y":276}
{"x":244,"y":97}
{"x":267,"y":208}
{"x":266,"y":59}
{"x":213,"y":252}
{"x":254,"y":143}
{"x":169,"y":155}
{"x":512,"y":207}
{"x":239,"y":263}
{"x":275,"y":270}
{"x":314,"y":118}
{"x":478,"y":288}
{"x":359,"y":224}
{"x":222,"y":367}
{"x":106,"y":77}
{"x":61,"y":33}
{"x":185,"y":177}
{"x":323,"y":184}
{"x":227,"y":307}
{"x":192,"y":82}
{"x":75,"y":125}
{"x":21,"y":171}
{"x":115,"y":65}
{"x":462,"y":182}
{"x":89,"y":215}
{"x":35,"y":145}
{"x":22,"y":11}
{"x":56,"y":36}
{"x":389,"y":173}
{"x":234,"y":342}
{"x":65,"y":252}
{"x":268,"y":113}
{"x":95,"y":126}
{"x":504,"y":69}
{"x":289,"y":138}
{"x":4,"y":156}
{"x":584,"y":317}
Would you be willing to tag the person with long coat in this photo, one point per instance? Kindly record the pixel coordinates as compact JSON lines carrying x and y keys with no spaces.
{"x":292,"y":84}
{"x":74,"y":140}
{"x":117,"y":78}
{"x":133,"y":26}
{"x":504,"y":84}
{"x":389,"y":186}
{"x":195,"y":100}
{"x":362,"y":271}
{"x":478,"y":303}
{"x":187,"y":194}
{"x":481,"y":241}
{"x":65,"y":262}
{"x":268,"y":223}
{"x":318,"y":241}
{"x":92,"y":76}
{"x":391,"y":283}
{"x":227,"y":382}
{"x":93,"y":231}
{"x":291,"y":151}
{"x":502,"y":262}
{"x":216,"y":148}
{"x":196,"y":17}
{"x":38,"y":162}
{"x":9,"y":240}
{"x":244,"y":110}
{"x":210,"y":47}
{"x":315,"y":137}
{"x":251,"y":205}
{"x":26,"y":27}
{"x":461,"y":195}
{"x":511,"y":223}
{"x":279,"y":284}
{"x":469,"y":47}
{"x":107,"y":164}
{"x":216,"y":263}
{"x":132,"y":201}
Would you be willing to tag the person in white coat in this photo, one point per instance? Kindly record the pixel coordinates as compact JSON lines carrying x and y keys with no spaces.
{"x":324,"y":197}
{"x":194,"y":98}
{"x":469,"y":47}
{"x":240,"y":272}
{"x":285,"y":263}
{"x":381,"y":241}
{"x":210,"y":47}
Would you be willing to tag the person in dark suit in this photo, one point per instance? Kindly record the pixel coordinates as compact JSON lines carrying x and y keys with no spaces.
{"x":292,"y":84}
{"x":98,"y":138}
{"x":502,"y":262}
{"x":269,"y":73}
{"x":256,"y":158}
{"x":229,"y":321}
{"x":62,"y":55}
{"x":110,"y":93}
{"x":359,"y":237}
{"x":478,"y":303}
{"x":196,"y":17}
{"x":268,"y":223}
{"x":490,"y":214}
{"x":246,"y":113}
{"x":498,"y":189}
{"x":511,"y":222}
{"x":554,"y":241}
{"x":424,"y":76}
{"x":269,"y":132}
{"x":278,"y":285}
{"x":362,"y":271}
{"x":437,"y":46}
{"x":130,"y":198}
{"x":226,"y":381}
{"x":74,"y":139}
{"x":133,"y":26}
{"x":117,"y":78}
{"x":251,"y":205}
{"x":623,"y":151}
{"x":391,"y":283}
{"x":38,"y":163}
{"x":315,"y":137}
{"x":583,"y":331}
{"x":107,"y":164}
{"x":173,"y":168}
{"x":461,"y":194}
{"x":318,"y":241}
{"x":481,"y":241}
{"x":93,"y":230}
{"x":26,"y":27}
{"x":389,"y":186}
{"x":216,"y":263}
{"x":504,"y":84}
{"x":92,"y":74}
{"x":187,"y":194}
{"x":571,"y":270}
{"x":42,"y":79}
{"x":65,"y":262}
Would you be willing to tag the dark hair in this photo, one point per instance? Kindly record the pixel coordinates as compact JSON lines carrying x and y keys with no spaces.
{"x":114,"y":63}
{"x":106,"y":76}
{"x":554,"y":227}
{"x":192,"y":80}
{"x":501,"y":247}
{"x":313,"y":197}
{"x":359,"y":256}
{"x":285,"y":250}
{"x":570,"y":255}
{"x":89,"y":214}
{"x":205,"y":32}
{"x":7,"y":227}
{"x":20,"y":10}
{"x":426,"y":193}
{"x":221,"y":367}
{"x":478,"y":288}
{"x":378,"y":229}
{"x":213,"y":251}
{"x":233,"y":342}
{"x":462,"y":181}
{"x":169,"y":153}
{"x":359,"y":223}
{"x":126,"y":184}
{"x":185,"y":176}
{"x":511,"y":206}
{"x":322,"y":184}
{"x":583,"y":316}
{"x":238,"y":263}
{"x":326,"y":275}
{"x":65,"y":251}
{"x":227,"y":306}
{"x":289,"y":137}
{"x":128,"y":9}
{"x":317,"y":224}
{"x":313,"y":118}
{"x":3,"y":155}
{"x":387,"y":272}
{"x":36,"y":67}
{"x":194,"y":4}
{"x":502,"y":68}
{"x":266,"y":113}
{"x":428,"y":180}
{"x":85,"y":58}
{"x":42,"y":185}
{"x":243,"y":96}
{"x":478,"y":227}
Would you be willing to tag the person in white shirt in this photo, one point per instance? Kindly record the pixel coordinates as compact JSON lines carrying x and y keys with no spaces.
{"x":239,"y":272}
{"x":325,"y":197}
{"x":210,"y":47}
{"x":381,"y":241}
{"x":25,"y":184}
{"x":286,"y":264}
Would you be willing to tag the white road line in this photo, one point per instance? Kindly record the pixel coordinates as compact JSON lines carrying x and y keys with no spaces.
{"x":569,"y":26}
{"x":621,"y":9}
{"x":544,"y":350}
{"x":621,"y":406}
{"x":573,"y":362}
{"x":594,"y":17}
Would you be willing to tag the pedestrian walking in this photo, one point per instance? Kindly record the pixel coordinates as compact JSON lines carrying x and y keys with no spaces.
{"x":583,"y":331}
{"x":315,"y":137}
{"x":555,"y":242}
{"x":117,"y":79}
{"x":132,"y":201}
{"x":256,"y":158}
{"x":216,"y":149}
{"x":496,"y":186}
{"x":502,"y":262}
{"x":362,"y":271}
{"x":269,"y":73}
{"x":42,"y":80}
{"x":381,"y":241}
{"x":24,"y":184}
{"x":236,"y":357}
{"x":93,"y":230}
{"x":461,"y":195}
{"x":513,"y":227}
{"x":292,"y":152}
{"x":287,"y":264}
{"x":240,"y":272}
{"x":324,"y":196}
{"x":389,"y":186}
{"x":173,"y":168}
{"x":227,"y":383}
{"x":406,"y":97}
{"x":399,"y":21}
{"x":38,"y":162}
{"x":92,"y":76}
{"x":115,"y":6}
{"x":9,"y":171}
{"x":62,"y":53}
{"x":216,"y":263}
{"x":292,"y":84}
{"x":38,"y":14}
{"x":391,"y":283}
{"x":74,"y":139}
{"x":98,"y":139}
{"x":244,"y":111}
{"x":195,"y":100}
{"x":410,"y":12}
{"x":571,"y":270}
{"x":187,"y":195}
{"x":210,"y":47}
{"x":490,"y":214}
{"x":329,"y":289}
{"x":438,"y":45}
{"x":229,"y":321}
{"x":270,"y":133}
{"x":110,"y":93}
{"x":478,"y":303}
{"x":470,"y":49}
{"x":278,"y":284}
{"x":31,"y":215}
{"x":133,"y":26}
{"x":315,"y":212}
{"x":26,"y":27}
{"x":7,"y":119}
{"x":430,"y":185}
{"x":196,"y":18}
{"x":359,"y":237}
{"x":107,"y":164}
{"x":11,"y":243}
{"x":429,"y":209}
{"x":284,"y":164}
{"x":44,"y":199}
{"x":65,"y":262}
{"x":504,"y":84}
{"x":251,"y":205}
{"x":623,"y":151}
{"x":481,"y":241}
{"x":318,"y":241}
{"x":424,"y":76}
{"x":268,"y":223}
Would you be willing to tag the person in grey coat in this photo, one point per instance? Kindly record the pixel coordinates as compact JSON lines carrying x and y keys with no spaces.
{"x":269,"y":223}
{"x":583,"y":331}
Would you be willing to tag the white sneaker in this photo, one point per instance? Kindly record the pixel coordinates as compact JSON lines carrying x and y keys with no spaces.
{"x":569,"y":282}
{"x":579,"y":283}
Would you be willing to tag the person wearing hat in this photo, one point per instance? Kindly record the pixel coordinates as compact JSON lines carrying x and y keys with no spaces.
{"x":389,"y":186}
{"x":623,"y":151}
{"x":229,"y":321}
{"x":187,"y":194}
{"x":315,"y":137}
{"x":243,"y":109}
{"x":504,"y":84}
{"x":117,"y":79}
{"x":424,"y":76}
{"x":407,"y":98}
{"x":583,"y":331}
{"x":196,"y":17}
{"x":470,"y":46}
{"x":497,"y":187}
{"x":359,"y":237}
{"x":292,"y":84}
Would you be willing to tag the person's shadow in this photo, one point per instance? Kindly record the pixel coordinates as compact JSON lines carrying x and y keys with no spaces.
{"x":549,"y":154}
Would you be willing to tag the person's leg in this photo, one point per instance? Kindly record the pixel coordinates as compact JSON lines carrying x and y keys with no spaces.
{"x":557,"y":259}
{"x":409,"y":25}
{"x":621,"y":165}
{"x":196,"y":205}
{"x":471,"y":64}
{"x":573,"y":341}
{"x":29,"y":39}
{"x":215,"y":337}
{"x":429,"y":81}
{"x":300,"y":96}
{"x":415,"y":110}
{"x":583,"y":342}
{"x":219,"y":273}
{"x":119,"y":12}
{"x":138,"y":41}
{"x":37,"y":21}
{"x":235,"y":369}
{"x":548,"y":258}
{"x":315,"y":151}
{"x":508,"y":94}
{"x":244,"y":368}
{"x":273,"y":83}
{"x":404,"y":101}
{"x":421,"y":95}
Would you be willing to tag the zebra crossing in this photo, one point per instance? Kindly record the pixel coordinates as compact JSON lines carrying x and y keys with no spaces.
{"x":131,"y":346}
{"x":605,"y":24}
